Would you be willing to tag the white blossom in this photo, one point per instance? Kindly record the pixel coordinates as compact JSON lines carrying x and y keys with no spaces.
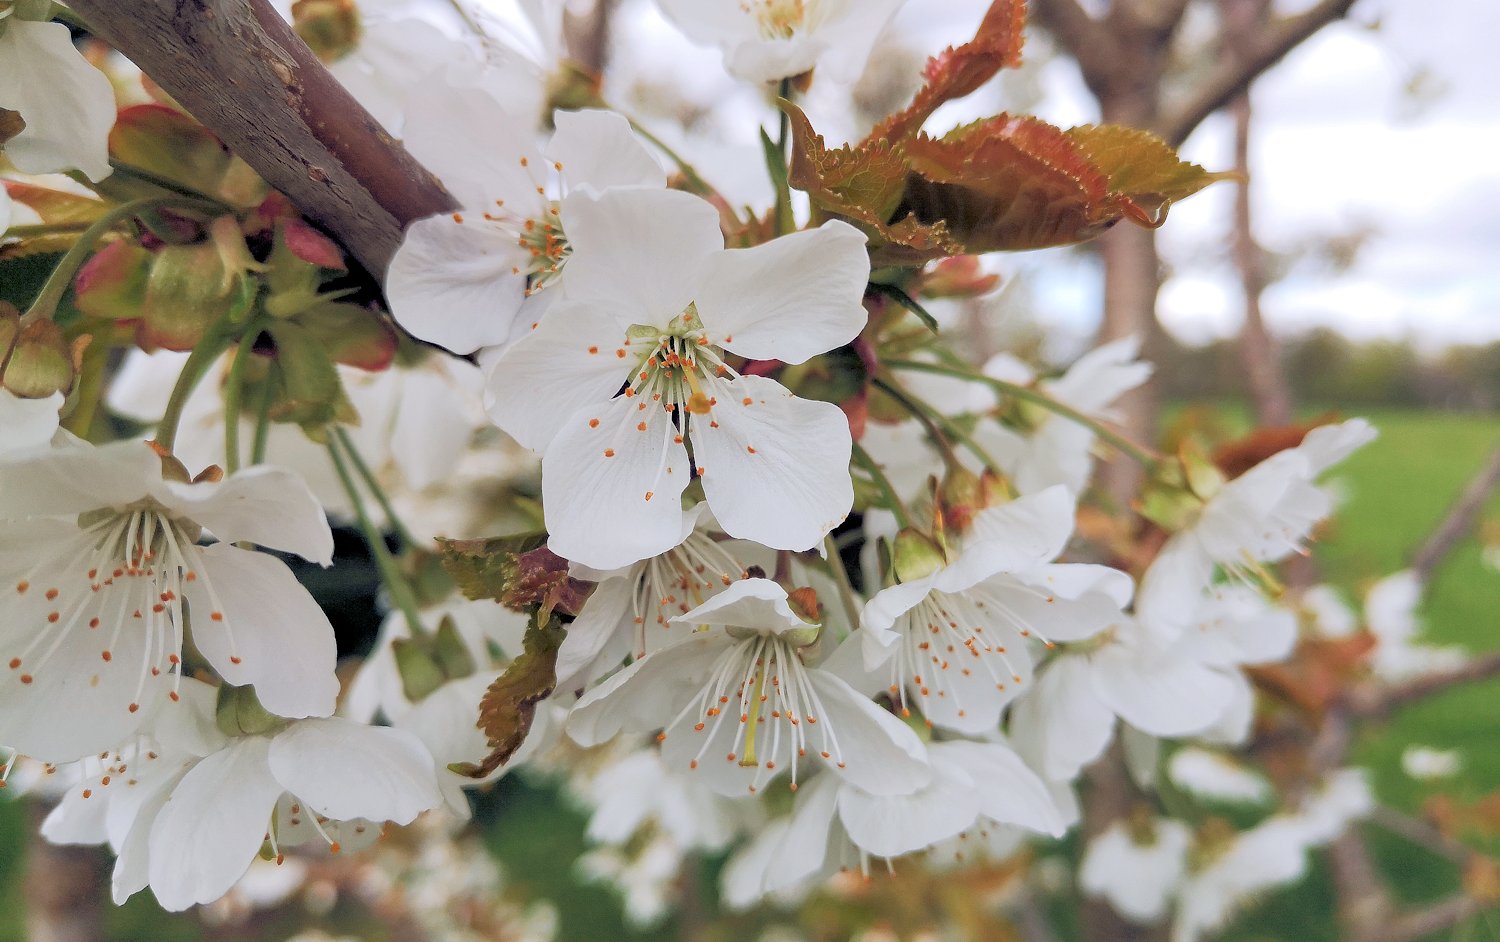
{"x":68,"y":106}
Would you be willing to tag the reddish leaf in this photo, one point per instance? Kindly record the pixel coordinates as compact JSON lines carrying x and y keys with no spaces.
{"x":1143,"y":168}
{"x":312,"y":246}
{"x":958,"y":71}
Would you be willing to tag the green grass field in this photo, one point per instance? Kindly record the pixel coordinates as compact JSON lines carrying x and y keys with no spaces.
{"x":1397,"y":489}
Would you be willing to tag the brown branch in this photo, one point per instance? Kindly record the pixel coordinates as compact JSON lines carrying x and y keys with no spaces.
{"x":1419,"y":832}
{"x":236,"y":66}
{"x":1235,"y":73}
{"x":1382,"y":703}
{"x":1460,"y":519}
{"x":1444,"y":914}
{"x":1086,"y":39}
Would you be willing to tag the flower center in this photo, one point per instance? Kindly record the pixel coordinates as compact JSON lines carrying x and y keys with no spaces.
{"x":777,"y":19}
{"x":762,"y":686}
{"x":946,"y":634}
{"x":121,"y":580}
{"x":680,"y":580}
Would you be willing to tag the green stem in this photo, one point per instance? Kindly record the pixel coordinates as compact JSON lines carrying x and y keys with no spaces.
{"x":51,"y":295}
{"x":841,"y":579}
{"x":45,"y":229}
{"x":923,"y":409}
{"x":1138,"y":453}
{"x":925,"y":416}
{"x":863,"y":459}
{"x":234,"y":391}
{"x":784,"y":221}
{"x":90,"y":386}
{"x":374,"y":487}
{"x":262,"y":424}
{"x":401,"y":592}
{"x":198,"y":362}
{"x":696,"y":182}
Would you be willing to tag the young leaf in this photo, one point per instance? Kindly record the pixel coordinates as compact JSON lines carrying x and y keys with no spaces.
{"x":509,"y":705}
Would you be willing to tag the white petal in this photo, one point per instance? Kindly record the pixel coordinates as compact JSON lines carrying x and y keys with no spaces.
{"x":272,"y":633}
{"x":749,"y":603}
{"x":213,"y":825}
{"x":1010,"y":792}
{"x":892,"y":825}
{"x":1327,"y":445}
{"x":67,"y":104}
{"x":475,"y":146}
{"x":794,"y":487}
{"x":881,"y":754}
{"x":133,"y":865}
{"x":647,"y":694}
{"x":453,"y":281}
{"x":1158,"y":692}
{"x":597,"y":149}
{"x":73,"y":480}
{"x":1039,"y":522}
{"x":1181,"y":570}
{"x":612,"y":483}
{"x":28,"y":423}
{"x":789,"y":299}
{"x":265,"y":505}
{"x":346,"y":770}
{"x":1060,"y":724}
{"x":577,"y":356}
{"x":643,"y":251}
{"x":606,"y":614}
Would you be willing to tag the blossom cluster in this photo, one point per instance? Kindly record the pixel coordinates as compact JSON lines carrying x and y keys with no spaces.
{"x":814,"y":589}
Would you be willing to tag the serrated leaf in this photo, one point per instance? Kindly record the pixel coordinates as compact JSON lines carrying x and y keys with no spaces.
{"x":509,"y":705}
{"x":483,"y":569}
{"x":863,"y":183}
{"x":957,"y":71}
{"x":1142,"y":167}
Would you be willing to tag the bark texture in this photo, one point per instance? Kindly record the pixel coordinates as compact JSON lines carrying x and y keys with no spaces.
{"x":237,"y":67}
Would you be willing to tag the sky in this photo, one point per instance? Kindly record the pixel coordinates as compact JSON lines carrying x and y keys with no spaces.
{"x":1383,"y":129}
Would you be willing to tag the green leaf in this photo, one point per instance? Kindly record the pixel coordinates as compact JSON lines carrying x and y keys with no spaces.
{"x":1141,"y":166}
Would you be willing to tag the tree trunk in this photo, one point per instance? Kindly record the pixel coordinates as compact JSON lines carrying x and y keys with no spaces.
{"x":64,"y":888}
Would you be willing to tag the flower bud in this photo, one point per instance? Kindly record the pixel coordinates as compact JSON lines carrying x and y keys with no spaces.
{"x":330,"y":28}
{"x":39,"y":362}
{"x":915,"y":555}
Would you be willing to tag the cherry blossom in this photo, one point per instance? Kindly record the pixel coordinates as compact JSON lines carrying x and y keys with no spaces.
{"x":740,"y":707}
{"x":631,"y":369}
{"x":475,"y":278}
{"x":766,"y":40}
{"x":103,"y":570}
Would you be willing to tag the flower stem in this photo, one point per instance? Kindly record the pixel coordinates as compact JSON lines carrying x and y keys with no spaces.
{"x":198,"y":362}
{"x":1138,"y":453}
{"x":368,"y":476}
{"x":400,"y":590}
{"x":90,"y":387}
{"x":234,"y":391}
{"x":695,"y":181}
{"x":262,"y":425}
{"x":863,"y":459}
{"x":928,"y":413}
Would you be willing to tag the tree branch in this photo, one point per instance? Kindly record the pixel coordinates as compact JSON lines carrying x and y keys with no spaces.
{"x":1444,"y":914}
{"x":1460,"y":519}
{"x":237,"y":67}
{"x":1086,"y":39}
{"x":1384,"y":702}
{"x":1235,"y":73}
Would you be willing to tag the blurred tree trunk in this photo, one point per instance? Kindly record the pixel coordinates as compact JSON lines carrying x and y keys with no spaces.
{"x":1126,"y":57}
{"x":1258,"y":349}
{"x":64,"y":887}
